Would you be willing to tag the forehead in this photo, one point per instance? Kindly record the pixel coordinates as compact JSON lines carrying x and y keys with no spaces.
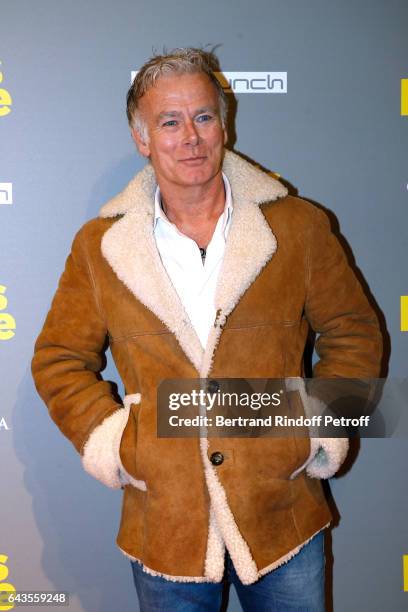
{"x":177,"y":92}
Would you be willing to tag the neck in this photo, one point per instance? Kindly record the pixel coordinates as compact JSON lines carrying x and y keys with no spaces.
{"x":195,"y":210}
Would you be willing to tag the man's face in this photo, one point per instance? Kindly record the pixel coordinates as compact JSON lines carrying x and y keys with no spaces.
{"x":186,"y":139}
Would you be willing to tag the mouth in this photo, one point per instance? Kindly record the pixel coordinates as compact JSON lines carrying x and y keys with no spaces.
{"x":193,"y":160}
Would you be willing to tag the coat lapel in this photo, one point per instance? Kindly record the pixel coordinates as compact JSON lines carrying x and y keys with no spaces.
{"x":130,"y":249}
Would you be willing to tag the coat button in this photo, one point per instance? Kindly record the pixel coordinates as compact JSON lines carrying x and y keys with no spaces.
{"x":217,"y":458}
{"x":213,"y":386}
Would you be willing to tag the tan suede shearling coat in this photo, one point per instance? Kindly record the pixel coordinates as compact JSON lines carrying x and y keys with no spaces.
{"x":283,"y":270}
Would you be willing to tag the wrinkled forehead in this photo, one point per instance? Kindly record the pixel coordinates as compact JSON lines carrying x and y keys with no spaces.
{"x":175,"y":93}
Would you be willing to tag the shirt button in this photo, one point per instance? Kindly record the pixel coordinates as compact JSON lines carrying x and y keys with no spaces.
{"x":217,"y":458}
{"x":213,"y":386}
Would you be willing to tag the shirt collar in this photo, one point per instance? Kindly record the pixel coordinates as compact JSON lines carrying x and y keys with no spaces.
{"x":160,"y":214}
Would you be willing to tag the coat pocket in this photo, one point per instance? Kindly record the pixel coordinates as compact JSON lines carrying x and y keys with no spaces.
{"x":128,"y":444}
{"x":301,"y":435}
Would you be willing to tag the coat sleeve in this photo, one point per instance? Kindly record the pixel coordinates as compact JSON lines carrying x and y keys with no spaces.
{"x":68,"y":358}
{"x":348,"y":344}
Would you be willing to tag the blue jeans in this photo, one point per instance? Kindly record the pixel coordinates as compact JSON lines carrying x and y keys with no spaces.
{"x":297,"y":585}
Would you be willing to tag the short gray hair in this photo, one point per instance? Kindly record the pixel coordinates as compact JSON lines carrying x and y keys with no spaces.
{"x":187,"y":60}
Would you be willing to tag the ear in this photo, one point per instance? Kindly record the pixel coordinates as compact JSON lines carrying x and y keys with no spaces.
{"x":225,"y":135}
{"x":142,"y":146}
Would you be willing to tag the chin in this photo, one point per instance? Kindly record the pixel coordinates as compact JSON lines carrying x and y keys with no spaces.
{"x":196,"y":176}
{"x":198,"y":180}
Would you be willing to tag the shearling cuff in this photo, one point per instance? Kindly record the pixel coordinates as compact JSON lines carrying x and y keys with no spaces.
{"x":100,"y":456}
{"x":326,"y":454}
{"x":328,"y":459}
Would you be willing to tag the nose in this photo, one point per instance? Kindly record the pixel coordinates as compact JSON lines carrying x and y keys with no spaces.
{"x":191,"y":135}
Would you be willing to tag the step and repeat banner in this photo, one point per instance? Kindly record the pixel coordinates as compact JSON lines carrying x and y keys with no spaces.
{"x":320,"y":97}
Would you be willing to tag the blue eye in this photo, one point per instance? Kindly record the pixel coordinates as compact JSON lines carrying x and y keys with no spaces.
{"x":172,"y":121}
{"x":204,"y":117}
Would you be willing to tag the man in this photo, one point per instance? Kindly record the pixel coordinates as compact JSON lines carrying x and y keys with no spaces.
{"x":203,"y":266}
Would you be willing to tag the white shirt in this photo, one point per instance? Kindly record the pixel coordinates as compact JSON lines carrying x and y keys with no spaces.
{"x":194,"y":282}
